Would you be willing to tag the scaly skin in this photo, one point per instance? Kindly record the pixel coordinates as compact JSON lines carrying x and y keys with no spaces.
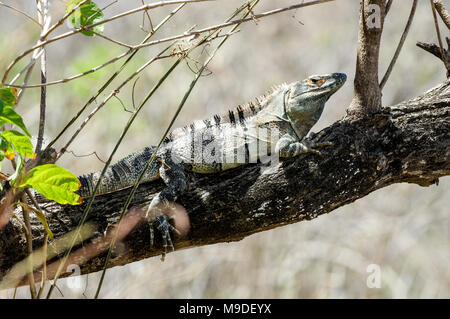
{"x":276,"y":123}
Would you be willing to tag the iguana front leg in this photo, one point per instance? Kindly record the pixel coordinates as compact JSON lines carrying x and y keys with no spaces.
{"x":173,"y":175}
{"x":289,"y":146}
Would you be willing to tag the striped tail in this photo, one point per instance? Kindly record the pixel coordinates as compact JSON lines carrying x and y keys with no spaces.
{"x":122,"y":174}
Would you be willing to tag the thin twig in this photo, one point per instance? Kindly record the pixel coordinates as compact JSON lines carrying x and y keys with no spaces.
{"x":73,"y":77}
{"x":44,"y":17}
{"x":92,"y":70}
{"x":195,"y":33}
{"x":188,"y":34}
{"x":388,"y":6}
{"x":113,"y":93}
{"x":21,"y":12}
{"x":438,"y":34}
{"x":37,"y":54}
{"x":30,"y":274}
{"x":44,"y":42}
{"x":399,"y":46}
{"x":25,"y":83}
{"x":44,"y":267}
{"x":61,"y":21}
{"x":112,"y":77}
{"x":129,"y":46}
{"x":148,"y":17}
{"x":117,"y":90}
{"x":86,"y":155}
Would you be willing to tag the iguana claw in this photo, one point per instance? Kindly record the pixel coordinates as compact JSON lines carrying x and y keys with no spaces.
{"x":163,"y":225}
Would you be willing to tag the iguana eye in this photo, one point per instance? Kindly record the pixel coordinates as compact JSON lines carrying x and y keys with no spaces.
{"x":316,"y":81}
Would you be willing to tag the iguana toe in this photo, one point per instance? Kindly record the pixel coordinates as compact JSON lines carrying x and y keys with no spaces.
{"x":162,"y":224}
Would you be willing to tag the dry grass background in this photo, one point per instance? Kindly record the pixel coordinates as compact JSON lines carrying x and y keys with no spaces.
{"x":402,"y":228}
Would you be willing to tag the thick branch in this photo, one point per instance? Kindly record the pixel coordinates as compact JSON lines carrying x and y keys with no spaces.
{"x":367,"y":98}
{"x":408,"y":142}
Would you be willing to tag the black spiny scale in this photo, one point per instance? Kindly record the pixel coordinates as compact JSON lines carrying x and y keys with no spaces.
{"x":240,"y":112}
{"x":207,"y":123}
{"x":217,"y":119}
{"x":231,"y":117}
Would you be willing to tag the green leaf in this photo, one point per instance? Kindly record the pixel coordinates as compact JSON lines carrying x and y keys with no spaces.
{"x":2,"y":156}
{"x":7,"y":114}
{"x":87,"y":14}
{"x":21,"y":143}
{"x":43,"y":221}
{"x":53,"y":182}
{"x":4,"y":144}
{"x":8,"y":96}
{"x":19,"y":167}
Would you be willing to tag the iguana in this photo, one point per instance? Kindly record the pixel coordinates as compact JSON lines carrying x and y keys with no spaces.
{"x":223,"y":142}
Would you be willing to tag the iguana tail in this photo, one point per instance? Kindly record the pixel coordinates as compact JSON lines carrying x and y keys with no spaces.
{"x":121,"y":175}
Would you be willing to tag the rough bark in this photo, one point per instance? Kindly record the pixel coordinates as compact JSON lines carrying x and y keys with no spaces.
{"x":408,"y":142}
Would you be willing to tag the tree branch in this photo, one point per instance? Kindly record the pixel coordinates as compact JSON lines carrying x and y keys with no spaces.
{"x":436,"y":51}
{"x":408,"y":142}
{"x":367,"y":98}
{"x":440,"y":8}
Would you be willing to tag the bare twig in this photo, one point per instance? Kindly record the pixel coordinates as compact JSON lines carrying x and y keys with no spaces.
{"x":37,"y":54}
{"x":61,"y":21}
{"x":21,"y":12}
{"x":94,"y":69}
{"x":436,"y":51}
{"x":440,"y":8}
{"x":195,"y":33}
{"x":73,"y":77}
{"x":44,"y":19}
{"x":399,"y":46}
{"x":29,"y":70}
{"x":438,"y":34}
{"x":86,"y":155}
{"x":44,"y":267}
{"x":44,"y":42}
{"x":113,"y":93}
{"x":117,"y":90}
{"x":112,"y":77}
{"x":388,"y":6}
{"x":148,"y":17}
{"x":180,"y":36}
{"x":30,"y":274}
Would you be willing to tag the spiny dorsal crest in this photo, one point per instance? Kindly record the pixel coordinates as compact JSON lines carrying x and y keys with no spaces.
{"x":234,"y":116}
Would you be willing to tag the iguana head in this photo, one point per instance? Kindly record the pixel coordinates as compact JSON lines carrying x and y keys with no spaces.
{"x":304,"y":100}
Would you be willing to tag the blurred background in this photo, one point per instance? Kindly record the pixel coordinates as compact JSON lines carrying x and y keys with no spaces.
{"x":399,"y":234}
